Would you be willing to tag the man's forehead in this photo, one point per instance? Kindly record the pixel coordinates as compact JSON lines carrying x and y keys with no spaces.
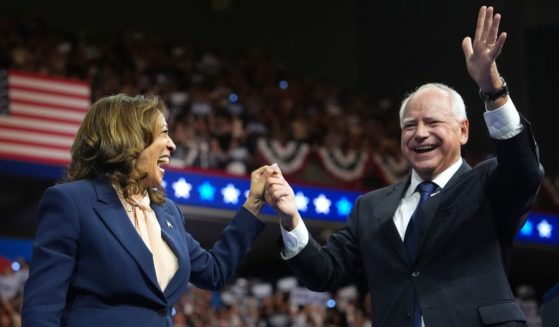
{"x":426,"y":110}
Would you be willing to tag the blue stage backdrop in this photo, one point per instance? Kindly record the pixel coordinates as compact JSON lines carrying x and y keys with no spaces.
{"x":207,"y":190}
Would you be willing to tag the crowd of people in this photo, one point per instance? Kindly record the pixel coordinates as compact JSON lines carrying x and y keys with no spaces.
{"x":247,"y":302}
{"x":13,"y":276}
{"x":219,"y":105}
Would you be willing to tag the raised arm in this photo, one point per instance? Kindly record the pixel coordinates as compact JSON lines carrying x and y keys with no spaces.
{"x":255,"y":199}
{"x":317,"y":267}
{"x":482,"y":52}
{"x":514,"y":183}
{"x":279,"y":195}
{"x":212,"y":269}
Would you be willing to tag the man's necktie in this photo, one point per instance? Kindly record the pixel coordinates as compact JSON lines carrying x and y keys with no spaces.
{"x":411,"y":237}
{"x":425,"y":190}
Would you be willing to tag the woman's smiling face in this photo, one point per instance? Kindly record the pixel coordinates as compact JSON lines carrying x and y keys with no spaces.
{"x":157,"y":154}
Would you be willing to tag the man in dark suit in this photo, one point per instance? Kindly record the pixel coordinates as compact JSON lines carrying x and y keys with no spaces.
{"x":434,"y":248}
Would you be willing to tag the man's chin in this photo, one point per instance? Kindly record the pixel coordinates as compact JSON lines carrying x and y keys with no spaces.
{"x":424,"y":171}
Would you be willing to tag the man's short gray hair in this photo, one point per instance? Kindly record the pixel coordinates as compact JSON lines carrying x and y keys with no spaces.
{"x":458,"y":106}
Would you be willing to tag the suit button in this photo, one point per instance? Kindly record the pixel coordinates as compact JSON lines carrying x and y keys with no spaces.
{"x":415,"y":274}
{"x":407,"y":316}
{"x":162,"y":312}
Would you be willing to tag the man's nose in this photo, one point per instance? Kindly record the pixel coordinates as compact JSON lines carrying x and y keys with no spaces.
{"x":422,"y":131}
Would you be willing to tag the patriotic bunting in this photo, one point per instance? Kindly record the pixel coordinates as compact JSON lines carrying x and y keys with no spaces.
{"x":391,"y":169}
{"x":348,"y":167}
{"x":291,"y":156}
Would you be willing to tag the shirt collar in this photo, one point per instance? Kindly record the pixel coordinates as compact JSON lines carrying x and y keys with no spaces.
{"x":144,"y":201}
{"x":441,"y":180}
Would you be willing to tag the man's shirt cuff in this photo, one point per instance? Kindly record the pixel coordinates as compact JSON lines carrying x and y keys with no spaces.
{"x":294,"y":241}
{"x":504,"y":122}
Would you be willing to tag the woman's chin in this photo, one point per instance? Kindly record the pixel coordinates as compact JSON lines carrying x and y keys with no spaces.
{"x":154,"y":183}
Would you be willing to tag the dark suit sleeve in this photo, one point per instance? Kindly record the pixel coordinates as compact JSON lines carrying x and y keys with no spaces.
{"x":53,"y":261}
{"x":514,"y":184}
{"x":211,"y":269}
{"x":322,"y":268}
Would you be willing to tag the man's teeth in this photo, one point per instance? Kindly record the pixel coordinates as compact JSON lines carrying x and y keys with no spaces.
{"x":424,"y":148}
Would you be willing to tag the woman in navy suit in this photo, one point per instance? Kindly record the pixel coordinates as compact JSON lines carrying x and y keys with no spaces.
{"x":110,"y":249}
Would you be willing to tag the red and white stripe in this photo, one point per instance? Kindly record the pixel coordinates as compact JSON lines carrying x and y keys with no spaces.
{"x":44,"y":116}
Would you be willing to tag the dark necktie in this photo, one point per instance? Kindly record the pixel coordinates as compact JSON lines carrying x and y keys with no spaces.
{"x":425,"y":190}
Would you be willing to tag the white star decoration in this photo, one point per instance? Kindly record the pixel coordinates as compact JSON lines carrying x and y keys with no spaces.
{"x":182,"y":188}
{"x":301,"y":201}
{"x":322,"y":204}
{"x":230,"y":194}
{"x":544,"y":228}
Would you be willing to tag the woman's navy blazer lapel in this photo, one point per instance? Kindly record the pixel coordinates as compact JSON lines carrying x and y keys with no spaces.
{"x":113,"y":215}
{"x":171,"y":231}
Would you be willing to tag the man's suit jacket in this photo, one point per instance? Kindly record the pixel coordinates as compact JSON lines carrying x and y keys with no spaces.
{"x":91,"y":268}
{"x":466,"y":234}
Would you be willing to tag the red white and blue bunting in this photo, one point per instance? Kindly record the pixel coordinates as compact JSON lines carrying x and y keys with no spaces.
{"x":291,"y":156}
{"x":391,"y":169}
{"x":347,"y":166}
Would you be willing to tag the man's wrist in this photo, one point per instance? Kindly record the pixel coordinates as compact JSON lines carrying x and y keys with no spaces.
{"x":493,"y":94}
{"x":289,"y":223}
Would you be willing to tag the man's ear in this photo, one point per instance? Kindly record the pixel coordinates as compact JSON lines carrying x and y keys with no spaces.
{"x":464,"y":131}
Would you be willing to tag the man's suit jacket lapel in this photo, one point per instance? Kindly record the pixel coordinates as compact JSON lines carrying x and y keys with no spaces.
{"x":113,"y":215}
{"x":388,"y":203}
{"x":431,"y":206}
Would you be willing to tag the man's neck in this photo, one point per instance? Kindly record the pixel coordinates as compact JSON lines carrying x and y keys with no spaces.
{"x":442,"y":178}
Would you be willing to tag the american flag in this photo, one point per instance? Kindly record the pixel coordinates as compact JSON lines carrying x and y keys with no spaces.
{"x":39,"y":116}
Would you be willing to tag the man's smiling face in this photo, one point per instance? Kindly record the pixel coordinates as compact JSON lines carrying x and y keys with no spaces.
{"x":431,"y":134}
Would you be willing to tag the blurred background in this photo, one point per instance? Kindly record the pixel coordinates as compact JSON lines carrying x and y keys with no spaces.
{"x":313,"y":86}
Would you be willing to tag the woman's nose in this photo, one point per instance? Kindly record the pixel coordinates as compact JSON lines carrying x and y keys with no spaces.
{"x":171,"y":145}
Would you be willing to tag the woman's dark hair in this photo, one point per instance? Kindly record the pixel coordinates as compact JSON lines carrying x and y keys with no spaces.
{"x":111,"y":137}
